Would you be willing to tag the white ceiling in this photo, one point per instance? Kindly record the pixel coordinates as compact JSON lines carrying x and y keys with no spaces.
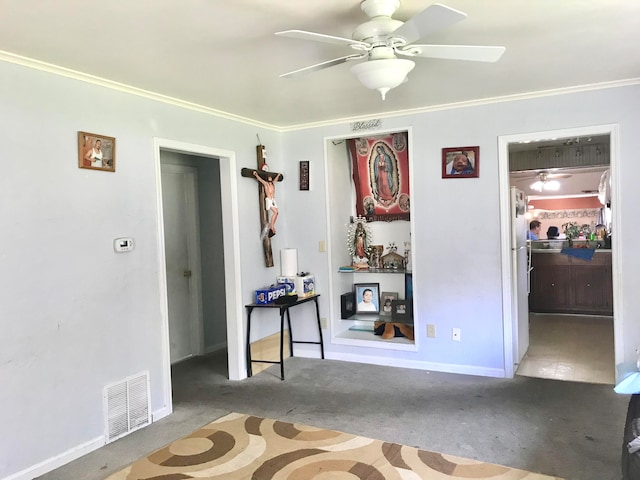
{"x":223,"y":54}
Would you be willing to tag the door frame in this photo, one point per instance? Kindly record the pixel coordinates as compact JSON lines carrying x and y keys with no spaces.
{"x":508,"y":294}
{"x":190,"y":178}
{"x":231,"y":248}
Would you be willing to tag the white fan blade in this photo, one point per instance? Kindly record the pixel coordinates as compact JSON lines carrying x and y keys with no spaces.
{"x":320,"y":66}
{"x":433,"y":18}
{"x":320,"y":37}
{"x":474,"y":53}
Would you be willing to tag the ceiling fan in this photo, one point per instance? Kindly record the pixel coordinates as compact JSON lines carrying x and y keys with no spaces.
{"x":546,"y":181}
{"x":381,"y":39}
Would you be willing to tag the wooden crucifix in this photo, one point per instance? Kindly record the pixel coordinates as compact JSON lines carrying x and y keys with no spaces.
{"x":267,"y":200}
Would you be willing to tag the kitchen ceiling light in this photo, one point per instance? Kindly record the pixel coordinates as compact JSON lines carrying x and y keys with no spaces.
{"x":550,"y":185}
{"x":383,"y":75}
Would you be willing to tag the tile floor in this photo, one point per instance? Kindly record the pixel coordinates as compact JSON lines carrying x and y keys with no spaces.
{"x":570,"y":347}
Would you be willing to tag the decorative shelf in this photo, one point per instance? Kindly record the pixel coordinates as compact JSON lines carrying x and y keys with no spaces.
{"x":374,"y":270}
{"x":377,"y":318}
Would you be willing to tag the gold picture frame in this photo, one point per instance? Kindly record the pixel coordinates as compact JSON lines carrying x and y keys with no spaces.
{"x":96,"y":152}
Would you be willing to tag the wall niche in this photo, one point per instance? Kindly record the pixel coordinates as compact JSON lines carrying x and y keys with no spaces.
{"x":355,"y":190}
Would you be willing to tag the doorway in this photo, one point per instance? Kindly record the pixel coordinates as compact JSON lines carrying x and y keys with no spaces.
{"x":182,"y":252}
{"x":229,"y":246}
{"x":512,"y":326}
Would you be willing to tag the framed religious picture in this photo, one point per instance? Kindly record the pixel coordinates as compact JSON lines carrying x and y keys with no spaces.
{"x":461,"y":162}
{"x":304,"y":175}
{"x":375,"y":256}
{"x":381,"y":176}
{"x":367,"y":297}
{"x":97,"y":152}
{"x":386,"y":299}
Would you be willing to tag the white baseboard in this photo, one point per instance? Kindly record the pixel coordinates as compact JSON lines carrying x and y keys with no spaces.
{"x":59,"y":460}
{"x":158,"y":414}
{"x":72,"y":454}
{"x":307,"y":351}
{"x":403,"y":363}
{"x":214,"y":348}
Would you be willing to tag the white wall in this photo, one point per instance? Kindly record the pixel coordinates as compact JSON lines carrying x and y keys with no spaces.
{"x":456,"y":235}
{"x":75,"y":316}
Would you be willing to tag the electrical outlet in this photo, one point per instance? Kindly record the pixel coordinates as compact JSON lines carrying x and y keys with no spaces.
{"x":431,"y":331}
{"x":323,"y":323}
{"x":455,"y":334}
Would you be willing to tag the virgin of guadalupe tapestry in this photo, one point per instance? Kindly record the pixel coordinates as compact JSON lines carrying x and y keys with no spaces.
{"x":381,"y":176}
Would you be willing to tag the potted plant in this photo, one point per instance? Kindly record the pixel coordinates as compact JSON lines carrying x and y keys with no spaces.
{"x":572,"y":231}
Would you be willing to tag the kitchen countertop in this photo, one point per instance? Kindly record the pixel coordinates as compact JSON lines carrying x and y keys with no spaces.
{"x":558,"y":250}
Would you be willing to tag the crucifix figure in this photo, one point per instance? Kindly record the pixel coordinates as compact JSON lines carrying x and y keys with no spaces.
{"x":269,"y":202}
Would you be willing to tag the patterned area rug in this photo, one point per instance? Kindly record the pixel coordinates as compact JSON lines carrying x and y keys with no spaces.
{"x":240,"y":446}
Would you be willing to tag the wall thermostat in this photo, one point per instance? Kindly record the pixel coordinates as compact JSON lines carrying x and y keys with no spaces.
{"x":124,"y":244}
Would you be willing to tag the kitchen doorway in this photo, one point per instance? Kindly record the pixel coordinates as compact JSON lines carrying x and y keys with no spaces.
{"x":511,"y":300}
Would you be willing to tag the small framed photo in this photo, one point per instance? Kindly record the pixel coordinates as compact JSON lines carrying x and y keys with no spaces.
{"x":367,"y":297}
{"x":400,"y":310}
{"x":375,"y":256}
{"x":97,"y":152}
{"x":347,"y":305}
{"x":461,"y":162}
{"x":386,"y":300}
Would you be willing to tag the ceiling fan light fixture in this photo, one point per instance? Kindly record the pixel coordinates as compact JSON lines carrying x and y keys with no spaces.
{"x":537,"y":186}
{"x":382,"y":37}
{"x":551,"y":185}
{"x":383,"y":75}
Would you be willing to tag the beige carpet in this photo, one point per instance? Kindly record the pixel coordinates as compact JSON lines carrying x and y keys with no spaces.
{"x":240,"y":446}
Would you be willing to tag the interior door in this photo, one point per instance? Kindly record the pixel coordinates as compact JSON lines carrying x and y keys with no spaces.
{"x":179,"y":208}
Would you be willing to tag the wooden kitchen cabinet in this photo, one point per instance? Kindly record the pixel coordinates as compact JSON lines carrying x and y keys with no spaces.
{"x":564,"y":284}
{"x":550,"y":288}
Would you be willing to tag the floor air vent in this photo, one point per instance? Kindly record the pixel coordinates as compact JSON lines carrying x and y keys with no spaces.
{"x":126,"y":406}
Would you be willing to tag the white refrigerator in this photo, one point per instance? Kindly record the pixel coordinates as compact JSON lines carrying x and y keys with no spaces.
{"x":520,"y":270}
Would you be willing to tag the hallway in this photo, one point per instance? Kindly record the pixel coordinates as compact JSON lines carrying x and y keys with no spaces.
{"x":576,"y":348}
